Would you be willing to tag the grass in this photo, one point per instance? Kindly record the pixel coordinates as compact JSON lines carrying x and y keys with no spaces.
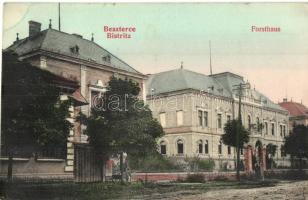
{"x":93,"y":191}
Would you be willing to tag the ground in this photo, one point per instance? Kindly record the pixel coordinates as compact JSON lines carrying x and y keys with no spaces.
{"x":214,"y":190}
{"x":282,"y":191}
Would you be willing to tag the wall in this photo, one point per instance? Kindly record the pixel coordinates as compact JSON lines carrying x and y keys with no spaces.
{"x":32,"y":167}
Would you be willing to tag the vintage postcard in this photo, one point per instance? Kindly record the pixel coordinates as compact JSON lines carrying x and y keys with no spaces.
{"x":154,"y":100}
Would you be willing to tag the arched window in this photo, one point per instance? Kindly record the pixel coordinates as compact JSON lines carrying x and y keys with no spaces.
{"x":220,"y":147}
{"x":200,"y":146}
{"x":273,"y":129}
{"x":180,"y":146}
{"x":206,"y":147}
{"x":249,"y":122}
{"x":258,"y":124}
{"x":266,"y":127}
{"x":163,"y":148}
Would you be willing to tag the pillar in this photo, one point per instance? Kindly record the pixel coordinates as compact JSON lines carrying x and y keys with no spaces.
{"x":70,"y":146}
{"x":248,"y":159}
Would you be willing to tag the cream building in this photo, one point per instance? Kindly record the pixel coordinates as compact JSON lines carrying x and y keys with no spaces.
{"x":193,"y":108}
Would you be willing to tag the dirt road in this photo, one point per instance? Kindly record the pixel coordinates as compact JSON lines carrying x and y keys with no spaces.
{"x":285,"y":190}
{"x":282,"y":191}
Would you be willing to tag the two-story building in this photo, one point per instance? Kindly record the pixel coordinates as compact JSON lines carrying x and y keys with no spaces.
{"x":193,"y":108}
{"x":80,"y":61}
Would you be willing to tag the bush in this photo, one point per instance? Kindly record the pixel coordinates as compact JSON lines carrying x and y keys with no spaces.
{"x":195,"y":178}
{"x":207,"y":165}
{"x":152,"y":163}
{"x":198,"y":164}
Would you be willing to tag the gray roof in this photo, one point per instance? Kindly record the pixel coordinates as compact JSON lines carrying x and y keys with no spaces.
{"x":181,"y":79}
{"x":60,"y":42}
{"x":222,"y":84}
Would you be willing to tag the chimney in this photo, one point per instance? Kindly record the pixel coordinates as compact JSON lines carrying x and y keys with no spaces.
{"x":34,"y":28}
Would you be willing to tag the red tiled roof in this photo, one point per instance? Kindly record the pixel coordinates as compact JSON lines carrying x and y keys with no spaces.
{"x":295,"y":109}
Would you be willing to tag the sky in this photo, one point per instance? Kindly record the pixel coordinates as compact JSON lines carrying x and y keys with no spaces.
{"x":275,"y":63}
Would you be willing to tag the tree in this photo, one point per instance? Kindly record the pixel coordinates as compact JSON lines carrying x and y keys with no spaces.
{"x":296,"y":144}
{"x":232,"y":130}
{"x":122,"y":123}
{"x":33,"y":117}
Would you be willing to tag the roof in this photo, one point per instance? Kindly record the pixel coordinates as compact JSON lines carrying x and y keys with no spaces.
{"x":181,"y":79}
{"x":60,"y":42}
{"x":295,"y":109}
{"x":221,"y":84}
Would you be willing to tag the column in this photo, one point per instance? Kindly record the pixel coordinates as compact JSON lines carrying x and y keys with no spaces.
{"x":70,"y":146}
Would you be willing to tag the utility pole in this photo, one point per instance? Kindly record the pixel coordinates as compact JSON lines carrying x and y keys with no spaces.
{"x":240,"y":88}
{"x":59,"y":13}
{"x":210,"y":57}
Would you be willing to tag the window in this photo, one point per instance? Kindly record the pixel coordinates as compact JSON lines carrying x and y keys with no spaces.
{"x":220,"y":147}
{"x":241,"y":151}
{"x":266,"y":127}
{"x":205,"y":115}
{"x":228,"y":118}
{"x":284,"y":131}
{"x":200,"y":146}
{"x":206,"y":147}
{"x":200,"y":117}
{"x":163,"y":148}
{"x":249,"y":122}
{"x":273,"y":129}
{"x":219,"y":121}
{"x":180,"y":146}
{"x":258,"y":124}
{"x":282,"y":151}
{"x":281,"y":130}
{"x":229,"y":150}
{"x":162,"y":118}
{"x":179,"y":117}
{"x":74,"y":49}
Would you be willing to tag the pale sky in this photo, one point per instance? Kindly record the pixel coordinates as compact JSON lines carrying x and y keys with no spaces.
{"x":166,"y":34}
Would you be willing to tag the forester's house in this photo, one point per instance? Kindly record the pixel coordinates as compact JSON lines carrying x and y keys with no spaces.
{"x":78,"y":60}
{"x":193,"y":108}
{"x":298,"y":112}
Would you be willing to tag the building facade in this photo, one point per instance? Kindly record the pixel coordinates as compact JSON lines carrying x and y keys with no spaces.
{"x":193,"y":108}
{"x":78,"y":60}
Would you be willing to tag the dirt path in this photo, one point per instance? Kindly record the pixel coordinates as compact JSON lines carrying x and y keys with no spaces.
{"x":282,"y":191}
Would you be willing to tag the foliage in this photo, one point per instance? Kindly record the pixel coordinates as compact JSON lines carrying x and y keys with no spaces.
{"x":152,"y":163}
{"x":122,"y":123}
{"x":207,"y":164}
{"x":296,"y":144}
{"x":195,"y":178}
{"x":231,"y":129}
{"x":32,"y":113}
{"x":198,"y":164}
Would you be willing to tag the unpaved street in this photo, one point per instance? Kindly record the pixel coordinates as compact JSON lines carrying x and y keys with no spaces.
{"x":291,"y":190}
{"x":286,"y":190}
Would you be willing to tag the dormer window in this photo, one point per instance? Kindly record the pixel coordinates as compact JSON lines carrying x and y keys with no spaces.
{"x":107,"y":58}
{"x":74,"y":49}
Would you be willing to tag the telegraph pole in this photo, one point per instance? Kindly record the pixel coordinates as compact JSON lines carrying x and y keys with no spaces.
{"x":240,"y":88}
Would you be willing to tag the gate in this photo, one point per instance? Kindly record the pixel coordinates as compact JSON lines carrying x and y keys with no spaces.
{"x":87,"y":166}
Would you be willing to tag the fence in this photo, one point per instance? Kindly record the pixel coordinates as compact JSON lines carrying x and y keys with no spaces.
{"x":87,"y":165}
